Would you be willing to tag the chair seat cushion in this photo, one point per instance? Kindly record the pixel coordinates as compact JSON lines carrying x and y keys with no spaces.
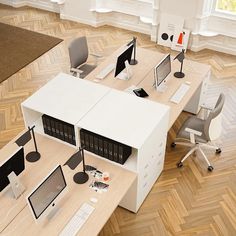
{"x":86,"y":68}
{"x":196,"y":124}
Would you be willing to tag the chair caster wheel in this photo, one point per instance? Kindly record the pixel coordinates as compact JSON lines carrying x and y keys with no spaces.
{"x":218,"y":151}
{"x":173,"y":145}
{"x":210,"y":168}
{"x":179,"y":164}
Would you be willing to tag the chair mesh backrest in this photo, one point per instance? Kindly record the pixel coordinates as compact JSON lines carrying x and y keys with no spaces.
{"x":213,"y":114}
{"x":78,"y":52}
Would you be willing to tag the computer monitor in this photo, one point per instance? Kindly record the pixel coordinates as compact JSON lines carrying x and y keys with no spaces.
{"x":121,"y":62}
{"x":15,"y":163}
{"x":161,"y":71}
{"x":47,"y":194}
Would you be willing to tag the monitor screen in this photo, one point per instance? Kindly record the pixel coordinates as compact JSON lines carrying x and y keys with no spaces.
{"x":162,"y":70}
{"x":42,"y":197}
{"x":15,"y":163}
{"x":125,"y":56}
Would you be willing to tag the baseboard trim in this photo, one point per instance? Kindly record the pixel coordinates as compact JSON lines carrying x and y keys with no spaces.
{"x":52,"y":7}
{"x":215,"y":47}
{"x":144,"y":30}
{"x":79,"y":20}
{"x":47,"y":7}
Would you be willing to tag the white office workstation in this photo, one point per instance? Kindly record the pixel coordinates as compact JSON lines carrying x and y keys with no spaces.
{"x":120,"y":133}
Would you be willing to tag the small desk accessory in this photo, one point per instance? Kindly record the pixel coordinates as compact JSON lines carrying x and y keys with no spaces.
{"x":134,"y":42}
{"x":81,"y":177}
{"x":25,"y":138}
{"x":74,"y":160}
{"x":140,"y":92}
{"x":180,"y":57}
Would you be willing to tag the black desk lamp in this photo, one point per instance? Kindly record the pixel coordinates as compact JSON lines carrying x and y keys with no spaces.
{"x":180,"y":58}
{"x":81,"y":177}
{"x":133,"y":61}
{"x":25,"y":138}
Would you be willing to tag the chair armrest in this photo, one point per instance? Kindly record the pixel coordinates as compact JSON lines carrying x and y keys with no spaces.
{"x":203,"y":106}
{"x":205,"y":111}
{"x":76,"y":71}
{"x":192,"y":134}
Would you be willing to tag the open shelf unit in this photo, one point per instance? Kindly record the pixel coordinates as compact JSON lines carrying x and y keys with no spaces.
{"x":136,"y":122}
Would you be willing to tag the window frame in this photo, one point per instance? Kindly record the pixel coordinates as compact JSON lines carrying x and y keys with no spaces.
{"x":222,"y":13}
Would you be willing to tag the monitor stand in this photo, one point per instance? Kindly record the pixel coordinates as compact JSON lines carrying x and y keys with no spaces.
{"x":161,"y":88}
{"x":125,"y":75}
{"x":16,"y":186}
{"x":55,"y":209}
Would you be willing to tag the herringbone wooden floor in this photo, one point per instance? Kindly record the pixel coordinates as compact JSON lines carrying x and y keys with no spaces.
{"x":187,"y":201}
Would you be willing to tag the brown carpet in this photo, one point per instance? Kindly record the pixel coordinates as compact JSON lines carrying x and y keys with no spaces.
{"x":19,"y":47}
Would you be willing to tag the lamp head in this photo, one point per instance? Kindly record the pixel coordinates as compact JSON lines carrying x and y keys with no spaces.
{"x":180,"y":57}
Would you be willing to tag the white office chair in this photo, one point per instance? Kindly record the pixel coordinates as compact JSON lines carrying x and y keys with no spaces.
{"x":198,"y":133}
{"x":78,"y":52}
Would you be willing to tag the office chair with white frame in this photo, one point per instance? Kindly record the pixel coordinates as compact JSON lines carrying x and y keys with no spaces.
{"x":78,"y":53}
{"x":199,"y":133}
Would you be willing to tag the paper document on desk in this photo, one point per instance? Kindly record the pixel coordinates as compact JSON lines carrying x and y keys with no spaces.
{"x":99,"y":186}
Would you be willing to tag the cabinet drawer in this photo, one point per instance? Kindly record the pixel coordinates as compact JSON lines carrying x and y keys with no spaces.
{"x":144,"y":189}
{"x":153,"y":153}
{"x":146,"y":184}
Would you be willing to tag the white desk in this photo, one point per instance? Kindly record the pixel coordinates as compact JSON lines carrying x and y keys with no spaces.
{"x":100,"y":109}
{"x":138,"y":123}
{"x":20,"y":220}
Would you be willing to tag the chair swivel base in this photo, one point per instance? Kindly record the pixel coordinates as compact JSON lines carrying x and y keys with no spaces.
{"x":33,"y":156}
{"x":80,"y":177}
{"x":180,"y":164}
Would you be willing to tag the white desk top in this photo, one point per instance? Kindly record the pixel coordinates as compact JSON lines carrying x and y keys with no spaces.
{"x":109,"y":118}
{"x":66,"y":98}
{"x":15,"y":216}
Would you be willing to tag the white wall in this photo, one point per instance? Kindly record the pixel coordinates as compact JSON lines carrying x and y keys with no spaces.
{"x":128,"y":14}
{"x":78,"y":10}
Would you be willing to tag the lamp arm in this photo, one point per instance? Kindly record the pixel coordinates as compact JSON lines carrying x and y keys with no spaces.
{"x":181,"y":67}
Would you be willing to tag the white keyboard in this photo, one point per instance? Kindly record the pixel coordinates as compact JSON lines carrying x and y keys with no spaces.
{"x":103,"y":73}
{"x":78,"y":220}
{"x":179,"y":94}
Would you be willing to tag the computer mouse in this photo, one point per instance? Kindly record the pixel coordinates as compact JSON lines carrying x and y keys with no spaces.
{"x":93,"y":200}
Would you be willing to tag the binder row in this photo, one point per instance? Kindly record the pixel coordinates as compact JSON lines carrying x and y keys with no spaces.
{"x":58,"y":129}
{"x":104,"y":147}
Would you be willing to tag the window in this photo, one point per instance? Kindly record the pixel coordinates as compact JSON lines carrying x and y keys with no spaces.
{"x":226,"y":6}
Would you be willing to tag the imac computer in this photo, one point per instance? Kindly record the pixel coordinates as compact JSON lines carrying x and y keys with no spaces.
{"x":161,"y":71}
{"x":47,"y":194}
{"x":10,"y":169}
{"x":123,"y":62}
